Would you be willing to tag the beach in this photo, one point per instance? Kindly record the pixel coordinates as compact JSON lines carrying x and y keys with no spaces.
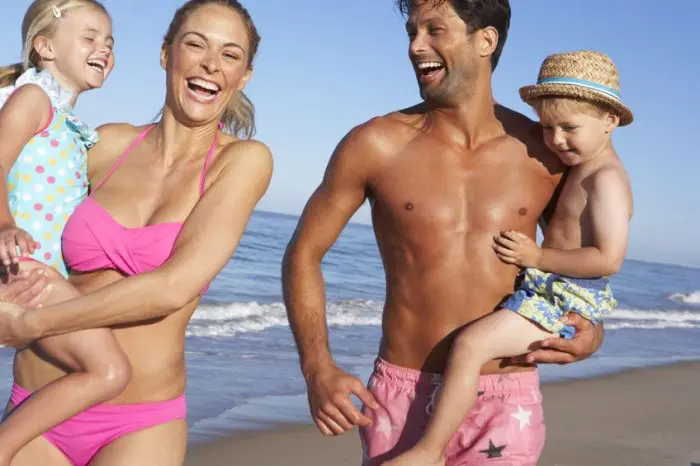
{"x":244,"y":382}
{"x":641,"y":417}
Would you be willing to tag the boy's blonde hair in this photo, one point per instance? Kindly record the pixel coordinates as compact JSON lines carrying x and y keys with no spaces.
{"x":41,"y":19}
{"x":553,"y":107}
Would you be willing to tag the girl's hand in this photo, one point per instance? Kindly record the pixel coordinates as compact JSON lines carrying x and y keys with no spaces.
{"x":13,"y":238}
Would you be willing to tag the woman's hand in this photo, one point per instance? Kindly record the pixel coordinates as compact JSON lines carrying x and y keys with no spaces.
{"x":14,"y":329}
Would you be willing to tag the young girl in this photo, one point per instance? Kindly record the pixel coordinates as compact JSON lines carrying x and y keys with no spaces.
{"x":43,"y":156}
{"x":577,"y":101}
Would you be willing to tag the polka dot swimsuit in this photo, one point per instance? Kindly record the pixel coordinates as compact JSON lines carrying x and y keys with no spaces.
{"x":49,"y":178}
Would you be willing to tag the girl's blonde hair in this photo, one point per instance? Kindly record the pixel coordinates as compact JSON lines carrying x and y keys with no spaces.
{"x":41,"y":19}
{"x":239,"y":117}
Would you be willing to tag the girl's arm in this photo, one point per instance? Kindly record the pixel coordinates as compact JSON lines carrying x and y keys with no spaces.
{"x":25,"y":113}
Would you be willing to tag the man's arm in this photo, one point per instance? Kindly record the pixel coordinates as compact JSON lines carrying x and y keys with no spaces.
{"x":557,"y":350}
{"x":339,"y":196}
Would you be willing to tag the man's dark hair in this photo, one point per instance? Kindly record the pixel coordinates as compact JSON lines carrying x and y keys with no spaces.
{"x":476,"y":14}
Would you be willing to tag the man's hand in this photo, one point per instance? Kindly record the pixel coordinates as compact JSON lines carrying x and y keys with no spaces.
{"x":26,"y":289}
{"x":556,"y":350}
{"x":329,"y":391}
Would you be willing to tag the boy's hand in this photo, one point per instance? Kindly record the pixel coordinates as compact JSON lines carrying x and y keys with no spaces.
{"x":11,"y":239}
{"x":513,"y":247}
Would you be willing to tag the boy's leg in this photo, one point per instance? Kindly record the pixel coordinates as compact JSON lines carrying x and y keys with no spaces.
{"x":505,"y":427}
{"x":500,"y":334}
{"x":508,"y":411}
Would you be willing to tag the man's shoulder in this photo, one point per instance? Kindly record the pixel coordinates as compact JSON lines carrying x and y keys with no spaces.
{"x":396,"y":124}
{"x":385,"y":134}
{"x":519,"y":126}
{"x":524,"y":130}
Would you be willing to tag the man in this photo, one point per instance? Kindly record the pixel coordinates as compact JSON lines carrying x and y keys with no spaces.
{"x":443,"y":179}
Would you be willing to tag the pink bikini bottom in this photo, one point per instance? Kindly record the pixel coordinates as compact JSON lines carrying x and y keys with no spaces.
{"x":81,"y":437}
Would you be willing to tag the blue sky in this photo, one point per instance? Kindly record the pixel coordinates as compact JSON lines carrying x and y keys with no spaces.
{"x":325,"y":66}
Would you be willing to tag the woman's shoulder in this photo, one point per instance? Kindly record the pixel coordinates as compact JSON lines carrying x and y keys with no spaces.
{"x":113,"y":133}
{"x":115,"y":138}
{"x":244,"y":151}
{"x":113,"y":141}
{"x":242,"y":157}
{"x":235,"y":148}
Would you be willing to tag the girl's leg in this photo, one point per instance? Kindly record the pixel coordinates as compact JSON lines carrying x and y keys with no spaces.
{"x":500,"y":334}
{"x":101,"y":372}
{"x":38,"y":451}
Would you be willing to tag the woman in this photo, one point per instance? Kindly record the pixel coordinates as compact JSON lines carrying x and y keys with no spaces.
{"x":168,"y":207}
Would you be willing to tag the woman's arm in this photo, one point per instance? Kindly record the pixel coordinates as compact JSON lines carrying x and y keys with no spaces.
{"x":208,"y":239}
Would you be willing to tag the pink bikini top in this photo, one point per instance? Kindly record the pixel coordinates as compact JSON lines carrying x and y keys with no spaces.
{"x":94,"y":240}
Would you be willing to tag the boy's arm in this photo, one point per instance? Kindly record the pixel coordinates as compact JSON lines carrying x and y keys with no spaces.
{"x":609,"y":211}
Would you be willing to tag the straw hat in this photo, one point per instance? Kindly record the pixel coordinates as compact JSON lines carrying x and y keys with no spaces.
{"x":585,"y":75}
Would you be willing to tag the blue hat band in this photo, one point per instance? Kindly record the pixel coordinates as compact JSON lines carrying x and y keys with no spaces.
{"x":610,"y":92}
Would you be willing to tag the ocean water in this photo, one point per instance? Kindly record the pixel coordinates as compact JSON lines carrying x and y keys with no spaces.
{"x":243,"y":366}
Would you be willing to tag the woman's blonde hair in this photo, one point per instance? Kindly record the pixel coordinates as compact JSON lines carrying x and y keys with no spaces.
{"x":239,"y":117}
{"x":41,"y":19}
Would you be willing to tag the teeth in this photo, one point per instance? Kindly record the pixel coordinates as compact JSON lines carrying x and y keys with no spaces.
{"x":205,"y":84}
{"x":429,"y":64}
{"x":98,"y":64}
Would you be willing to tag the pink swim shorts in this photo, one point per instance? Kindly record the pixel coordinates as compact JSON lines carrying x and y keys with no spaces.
{"x":505,"y":427}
